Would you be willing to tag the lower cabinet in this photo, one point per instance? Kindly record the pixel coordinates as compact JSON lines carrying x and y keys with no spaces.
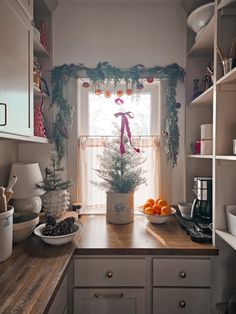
{"x":60,"y":303}
{"x":109,"y":301}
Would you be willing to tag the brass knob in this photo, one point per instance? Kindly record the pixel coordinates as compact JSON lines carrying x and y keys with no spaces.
{"x":109,"y":274}
{"x":182,"y":274}
{"x":182,"y":303}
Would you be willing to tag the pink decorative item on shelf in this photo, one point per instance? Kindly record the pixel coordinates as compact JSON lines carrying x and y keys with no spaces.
{"x":43,"y":35}
{"x":39,"y":129}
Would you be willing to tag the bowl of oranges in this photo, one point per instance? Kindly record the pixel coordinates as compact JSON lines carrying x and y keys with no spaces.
{"x":157,"y":211}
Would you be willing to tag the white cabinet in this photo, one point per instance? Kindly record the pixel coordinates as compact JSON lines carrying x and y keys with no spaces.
{"x":27,"y":6}
{"x":109,"y":285}
{"x":15,"y":70}
{"x":107,"y":301}
{"x":181,"y":285}
{"x":59,"y":305}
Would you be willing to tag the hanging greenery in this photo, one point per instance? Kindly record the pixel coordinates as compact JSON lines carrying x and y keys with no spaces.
{"x":104,"y":72}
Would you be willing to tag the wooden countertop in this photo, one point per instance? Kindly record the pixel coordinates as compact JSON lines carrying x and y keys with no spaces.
{"x":30,"y":278}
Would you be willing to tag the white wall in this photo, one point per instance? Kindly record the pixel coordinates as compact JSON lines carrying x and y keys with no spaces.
{"x":124,"y":35}
{"x":8,"y":155}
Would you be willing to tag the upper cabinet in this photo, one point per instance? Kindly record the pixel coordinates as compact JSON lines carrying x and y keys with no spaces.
{"x":28,"y":7}
{"x":16,"y":61}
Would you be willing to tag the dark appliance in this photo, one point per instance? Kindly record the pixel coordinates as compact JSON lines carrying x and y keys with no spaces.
{"x":202,"y":205}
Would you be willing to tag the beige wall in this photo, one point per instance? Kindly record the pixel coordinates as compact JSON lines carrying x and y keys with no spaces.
{"x":124,"y":35}
{"x":8,"y":155}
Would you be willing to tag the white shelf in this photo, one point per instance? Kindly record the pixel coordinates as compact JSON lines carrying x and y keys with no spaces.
{"x":227,"y":237}
{"x":205,"y":99}
{"x":39,"y":50}
{"x":226,"y":157}
{"x":28,"y":139}
{"x":200,"y":156}
{"x":228,"y":78}
{"x":203,"y":47}
{"x":225,"y":3}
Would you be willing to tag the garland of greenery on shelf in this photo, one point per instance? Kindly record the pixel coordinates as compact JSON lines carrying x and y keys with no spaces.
{"x":105,"y":72}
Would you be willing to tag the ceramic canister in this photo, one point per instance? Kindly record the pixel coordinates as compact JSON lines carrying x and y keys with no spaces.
{"x":6,"y":233}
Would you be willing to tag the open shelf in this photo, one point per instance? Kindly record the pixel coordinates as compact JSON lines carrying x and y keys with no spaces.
{"x":228,"y":78}
{"x":200,"y":156}
{"x":226,"y":157}
{"x":204,"y":45}
{"x":227,"y":237}
{"x":28,"y":139}
{"x":39,"y":50}
{"x":205,"y":99}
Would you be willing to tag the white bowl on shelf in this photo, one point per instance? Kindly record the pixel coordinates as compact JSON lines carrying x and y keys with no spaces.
{"x":58,"y":240}
{"x":157,"y":219}
{"x":200,"y":17}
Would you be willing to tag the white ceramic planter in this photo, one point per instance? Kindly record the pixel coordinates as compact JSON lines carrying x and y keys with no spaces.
{"x":120,"y":208}
{"x":6,"y":233}
{"x":55,"y":203}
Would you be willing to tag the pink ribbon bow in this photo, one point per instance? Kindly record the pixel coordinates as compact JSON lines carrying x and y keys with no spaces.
{"x":125,"y":125}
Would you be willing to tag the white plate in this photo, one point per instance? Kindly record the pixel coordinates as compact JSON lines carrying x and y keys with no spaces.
{"x":157,"y":219}
{"x":58,"y":240}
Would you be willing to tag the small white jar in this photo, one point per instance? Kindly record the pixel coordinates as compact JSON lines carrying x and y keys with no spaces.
{"x":6,"y":233}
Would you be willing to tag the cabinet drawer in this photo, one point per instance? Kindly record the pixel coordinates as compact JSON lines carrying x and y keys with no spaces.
{"x":107,"y":301}
{"x":109,"y":272}
{"x":182,"y":272}
{"x":181,"y":300}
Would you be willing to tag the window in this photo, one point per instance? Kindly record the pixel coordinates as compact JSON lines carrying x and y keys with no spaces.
{"x":97,"y":124}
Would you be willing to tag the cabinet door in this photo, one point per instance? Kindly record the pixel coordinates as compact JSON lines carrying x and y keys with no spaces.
{"x":107,"y":301}
{"x":15,"y":69}
{"x":59,"y":305}
{"x":27,"y":6}
{"x":181,"y":301}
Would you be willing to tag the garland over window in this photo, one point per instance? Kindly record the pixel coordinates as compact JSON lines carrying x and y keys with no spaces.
{"x":133,"y":79}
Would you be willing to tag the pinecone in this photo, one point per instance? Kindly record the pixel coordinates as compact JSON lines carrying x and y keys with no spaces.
{"x":50,"y":221}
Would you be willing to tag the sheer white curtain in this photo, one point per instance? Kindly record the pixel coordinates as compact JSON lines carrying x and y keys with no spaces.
{"x":89,"y":147}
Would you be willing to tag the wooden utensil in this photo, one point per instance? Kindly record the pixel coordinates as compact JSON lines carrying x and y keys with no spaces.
{"x":8,"y":191}
{"x":3,"y":201}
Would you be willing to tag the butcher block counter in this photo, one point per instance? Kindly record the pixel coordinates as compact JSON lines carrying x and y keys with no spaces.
{"x":30,"y":278}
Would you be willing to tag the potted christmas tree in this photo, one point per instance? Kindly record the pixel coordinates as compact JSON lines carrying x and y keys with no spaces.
{"x":121,"y":175}
{"x":56,"y":199}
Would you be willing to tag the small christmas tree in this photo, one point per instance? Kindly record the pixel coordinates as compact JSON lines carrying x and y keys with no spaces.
{"x":120,"y":173}
{"x":53,"y":180}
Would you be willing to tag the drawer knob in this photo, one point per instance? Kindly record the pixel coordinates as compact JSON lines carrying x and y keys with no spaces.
{"x":182,"y":303}
{"x":109,"y":274}
{"x":182,"y":274}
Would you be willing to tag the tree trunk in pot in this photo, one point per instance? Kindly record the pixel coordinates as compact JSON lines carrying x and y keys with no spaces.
{"x":120,"y":207}
{"x":55,"y":203}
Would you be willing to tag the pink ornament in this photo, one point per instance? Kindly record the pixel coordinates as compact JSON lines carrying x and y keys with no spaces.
{"x":119,"y":101}
{"x":129,"y":92}
{"x":150,"y":79}
{"x":39,"y":129}
{"x":120,"y":93}
{"x":98,"y":91}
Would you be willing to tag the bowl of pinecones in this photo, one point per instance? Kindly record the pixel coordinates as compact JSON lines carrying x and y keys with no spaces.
{"x":58,"y":233}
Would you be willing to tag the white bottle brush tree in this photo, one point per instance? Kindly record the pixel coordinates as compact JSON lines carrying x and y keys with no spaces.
{"x":56,"y":199}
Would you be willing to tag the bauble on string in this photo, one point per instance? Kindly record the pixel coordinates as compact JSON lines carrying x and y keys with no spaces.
{"x":120,"y":93}
{"x":139,"y":86}
{"x":150,"y":79}
{"x":98,"y":91}
{"x":107,"y":94}
{"x":178,"y":105}
{"x":129,"y":91}
{"x":85,"y":84}
{"x":164,"y":133}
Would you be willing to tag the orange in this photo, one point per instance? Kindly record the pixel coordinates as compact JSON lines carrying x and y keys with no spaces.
{"x":150,"y":200}
{"x":165,"y":210}
{"x":149,"y":210}
{"x":146,"y":205}
{"x":157,"y":200}
{"x":157,"y":209}
{"x":162,"y":202}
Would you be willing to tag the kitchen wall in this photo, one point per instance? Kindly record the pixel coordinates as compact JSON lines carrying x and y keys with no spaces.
{"x":124,"y":35}
{"x":8,"y":155}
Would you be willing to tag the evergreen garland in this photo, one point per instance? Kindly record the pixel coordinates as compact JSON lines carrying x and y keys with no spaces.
{"x":120,"y":173}
{"x":105,"y":72}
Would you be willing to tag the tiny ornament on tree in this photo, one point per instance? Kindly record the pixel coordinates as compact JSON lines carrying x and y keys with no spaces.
{"x":98,"y":91}
{"x":150,"y":79}
{"x":85,"y":84}
{"x":56,"y":199}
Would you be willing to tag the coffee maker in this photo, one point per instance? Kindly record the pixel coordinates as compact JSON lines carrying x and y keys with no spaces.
{"x":201,"y":210}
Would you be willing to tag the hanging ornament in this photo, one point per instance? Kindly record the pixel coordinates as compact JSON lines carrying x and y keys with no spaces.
{"x":119,"y":101}
{"x":85,"y":84}
{"x":178,"y":105}
{"x":164,"y":133}
{"x":129,"y":91}
{"x":120,"y":93}
{"x":139,"y":86}
{"x":150,"y":79}
{"x":107,"y":94}
{"x":98,"y":91}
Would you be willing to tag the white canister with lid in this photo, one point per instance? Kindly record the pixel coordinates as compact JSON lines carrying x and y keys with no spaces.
{"x":6,"y":233}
